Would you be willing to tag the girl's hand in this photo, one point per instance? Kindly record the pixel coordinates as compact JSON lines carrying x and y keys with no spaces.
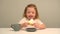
{"x":36,"y":25}
{"x":25,"y":24}
{"x":39,"y":26}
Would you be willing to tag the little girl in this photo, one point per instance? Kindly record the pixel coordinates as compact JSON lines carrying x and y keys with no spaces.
{"x":31,"y":12}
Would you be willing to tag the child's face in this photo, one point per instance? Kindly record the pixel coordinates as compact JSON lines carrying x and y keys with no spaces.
{"x":30,"y":13}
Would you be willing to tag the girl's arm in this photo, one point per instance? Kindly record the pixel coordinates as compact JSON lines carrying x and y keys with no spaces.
{"x":24,"y":24}
{"x":39,"y":26}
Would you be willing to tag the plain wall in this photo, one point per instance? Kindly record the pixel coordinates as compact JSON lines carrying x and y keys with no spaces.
{"x":11,"y":11}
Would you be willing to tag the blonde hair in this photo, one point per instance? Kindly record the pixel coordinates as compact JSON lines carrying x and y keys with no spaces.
{"x":34,"y":6}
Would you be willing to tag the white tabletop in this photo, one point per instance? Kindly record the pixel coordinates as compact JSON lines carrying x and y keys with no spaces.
{"x":44,"y":31}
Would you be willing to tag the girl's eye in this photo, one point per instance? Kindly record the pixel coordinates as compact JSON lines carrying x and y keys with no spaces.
{"x":32,"y":12}
{"x":28,"y":12}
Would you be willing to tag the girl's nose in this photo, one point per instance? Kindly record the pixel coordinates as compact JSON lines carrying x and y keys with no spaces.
{"x":30,"y":13}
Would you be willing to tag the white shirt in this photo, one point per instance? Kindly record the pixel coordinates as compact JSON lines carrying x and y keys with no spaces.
{"x":26,"y":20}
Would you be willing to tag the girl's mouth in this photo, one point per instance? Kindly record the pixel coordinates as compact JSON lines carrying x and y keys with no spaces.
{"x":30,"y":16}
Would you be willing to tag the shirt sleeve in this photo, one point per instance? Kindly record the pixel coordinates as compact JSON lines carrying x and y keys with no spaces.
{"x":39,"y":21}
{"x":22,"y":21}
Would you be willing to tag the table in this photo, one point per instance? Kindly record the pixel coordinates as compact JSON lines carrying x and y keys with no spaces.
{"x":44,"y":31}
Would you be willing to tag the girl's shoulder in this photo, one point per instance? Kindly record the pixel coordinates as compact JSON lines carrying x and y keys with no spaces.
{"x":37,"y":19}
{"x":23,"y":19}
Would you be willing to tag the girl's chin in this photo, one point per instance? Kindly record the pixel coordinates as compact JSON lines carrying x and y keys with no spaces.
{"x":30,"y":18}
